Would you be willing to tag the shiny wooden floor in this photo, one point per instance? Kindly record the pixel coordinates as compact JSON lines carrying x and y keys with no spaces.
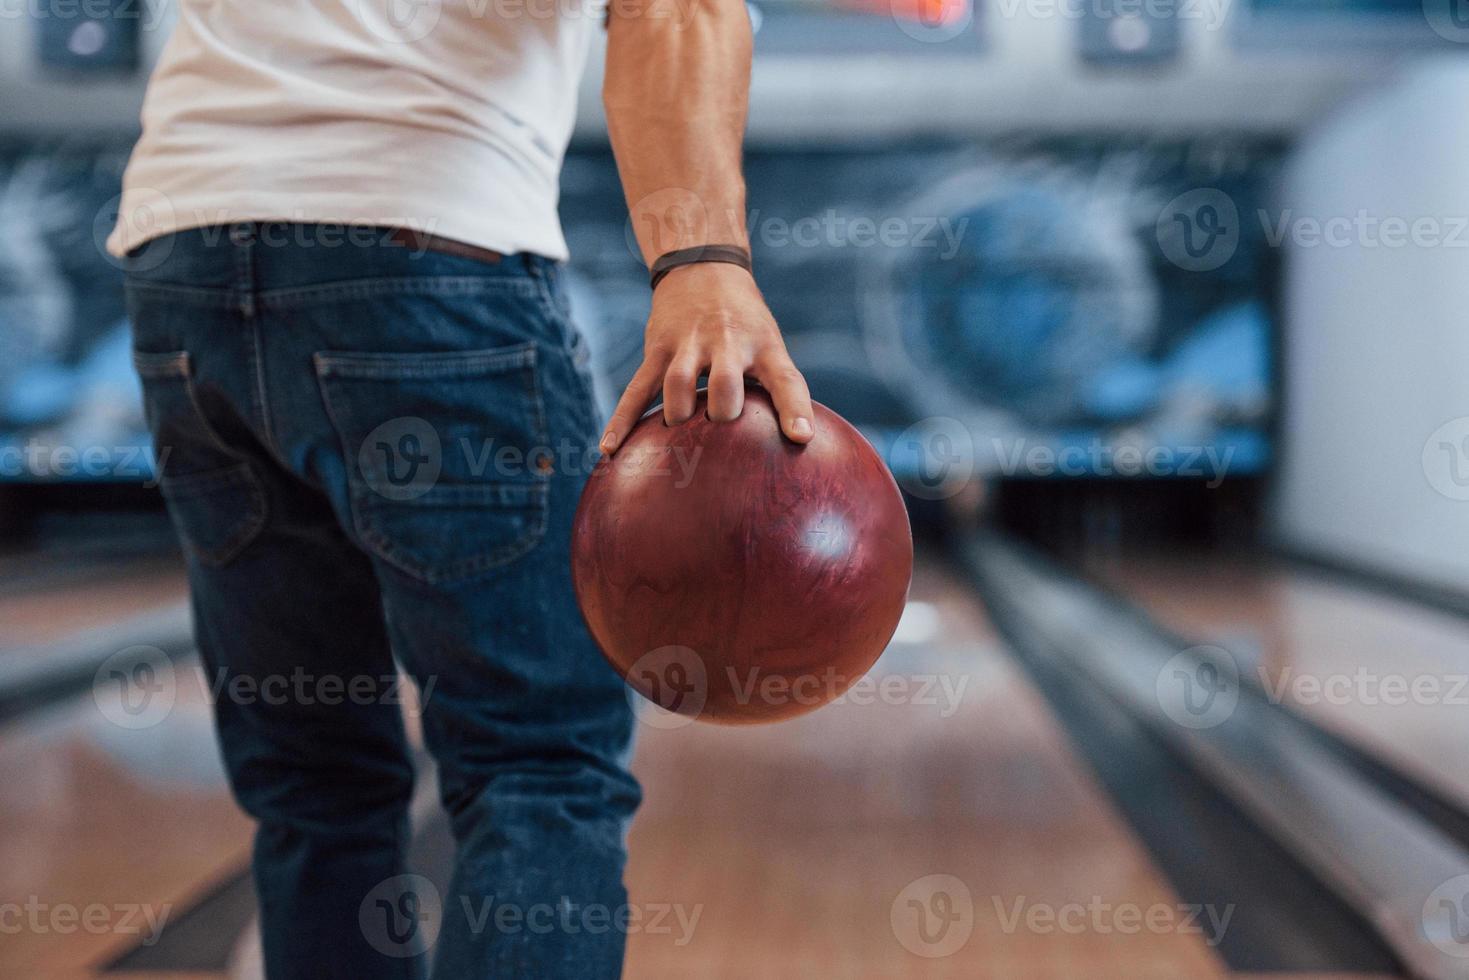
{"x":800,"y":844}
{"x":936,"y":824}
{"x":109,"y":830}
{"x":34,"y":617}
{"x":1386,"y":674}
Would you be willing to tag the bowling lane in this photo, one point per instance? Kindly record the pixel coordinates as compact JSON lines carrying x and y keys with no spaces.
{"x":67,"y":606}
{"x":72,"y":612}
{"x":935,"y":824}
{"x":116,"y":821}
{"x":1344,"y":656}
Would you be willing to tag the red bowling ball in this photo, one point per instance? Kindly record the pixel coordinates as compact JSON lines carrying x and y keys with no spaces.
{"x":733,"y":576}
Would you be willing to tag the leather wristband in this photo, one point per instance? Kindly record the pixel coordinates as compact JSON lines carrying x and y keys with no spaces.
{"x":667,"y":262}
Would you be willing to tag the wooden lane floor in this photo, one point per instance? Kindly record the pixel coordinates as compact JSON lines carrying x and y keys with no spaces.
{"x":113,"y":823}
{"x":49,"y":613}
{"x":936,"y":825}
{"x":1346,"y":657}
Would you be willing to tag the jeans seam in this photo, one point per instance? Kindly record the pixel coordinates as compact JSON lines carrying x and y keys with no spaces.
{"x":429,"y":365}
{"x":262,"y":395}
{"x":587,"y":402}
{"x":288,"y":296}
{"x":259,"y":513}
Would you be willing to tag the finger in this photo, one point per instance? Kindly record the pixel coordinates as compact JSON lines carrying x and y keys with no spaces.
{"x":726,"y":388}
{"x":680,"y":385}
{"x":792,"y":400}
{"x":634,"y":401}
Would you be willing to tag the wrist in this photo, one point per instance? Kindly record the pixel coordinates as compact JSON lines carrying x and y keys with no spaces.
{"x":714,"y":254}
{"x":705,"y":279}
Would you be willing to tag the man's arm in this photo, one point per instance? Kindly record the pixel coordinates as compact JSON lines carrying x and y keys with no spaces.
{"x":676,"y":91}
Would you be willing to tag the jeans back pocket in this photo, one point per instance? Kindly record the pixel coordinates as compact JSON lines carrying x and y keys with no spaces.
{"x":448,"y":467}
{"x":214,"y":498}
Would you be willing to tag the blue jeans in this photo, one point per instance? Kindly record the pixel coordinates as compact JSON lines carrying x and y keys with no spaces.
{"x":372,"y":455}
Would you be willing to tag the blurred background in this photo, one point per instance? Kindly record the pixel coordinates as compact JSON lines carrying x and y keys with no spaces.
{"x":1155,"y":309}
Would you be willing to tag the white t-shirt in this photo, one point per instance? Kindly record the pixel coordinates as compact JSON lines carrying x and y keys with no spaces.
{"x":447,"y":116}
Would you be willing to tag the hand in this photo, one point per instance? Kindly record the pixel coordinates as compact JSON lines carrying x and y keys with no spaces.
{"x":709,"y":318}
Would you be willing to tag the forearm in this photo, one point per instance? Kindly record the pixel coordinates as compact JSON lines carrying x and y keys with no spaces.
{"x":676,"y":94}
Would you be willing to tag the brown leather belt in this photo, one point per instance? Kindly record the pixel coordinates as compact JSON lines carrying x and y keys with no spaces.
{"x":422,"y":241}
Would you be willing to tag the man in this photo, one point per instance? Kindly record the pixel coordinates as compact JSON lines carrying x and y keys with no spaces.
{"x":342,"y":251}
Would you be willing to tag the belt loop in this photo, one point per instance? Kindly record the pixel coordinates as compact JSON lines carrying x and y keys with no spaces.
{"x":242,"y":238}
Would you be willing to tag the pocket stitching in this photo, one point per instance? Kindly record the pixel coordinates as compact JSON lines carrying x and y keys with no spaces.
{"x":161,"y":364}
{"x":237,"y":542}
{"x":179,"y":366}
{"x":147,"y":368}
{"x":330,"y":363}
{"x":464,"y":567}
{"x":428,"y":364}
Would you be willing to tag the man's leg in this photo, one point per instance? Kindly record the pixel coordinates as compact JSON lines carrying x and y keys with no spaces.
{"x":531,"y":739}
{"x":290,"y":629}
{"x":464,"y":463}
{"x":292,"y":638}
